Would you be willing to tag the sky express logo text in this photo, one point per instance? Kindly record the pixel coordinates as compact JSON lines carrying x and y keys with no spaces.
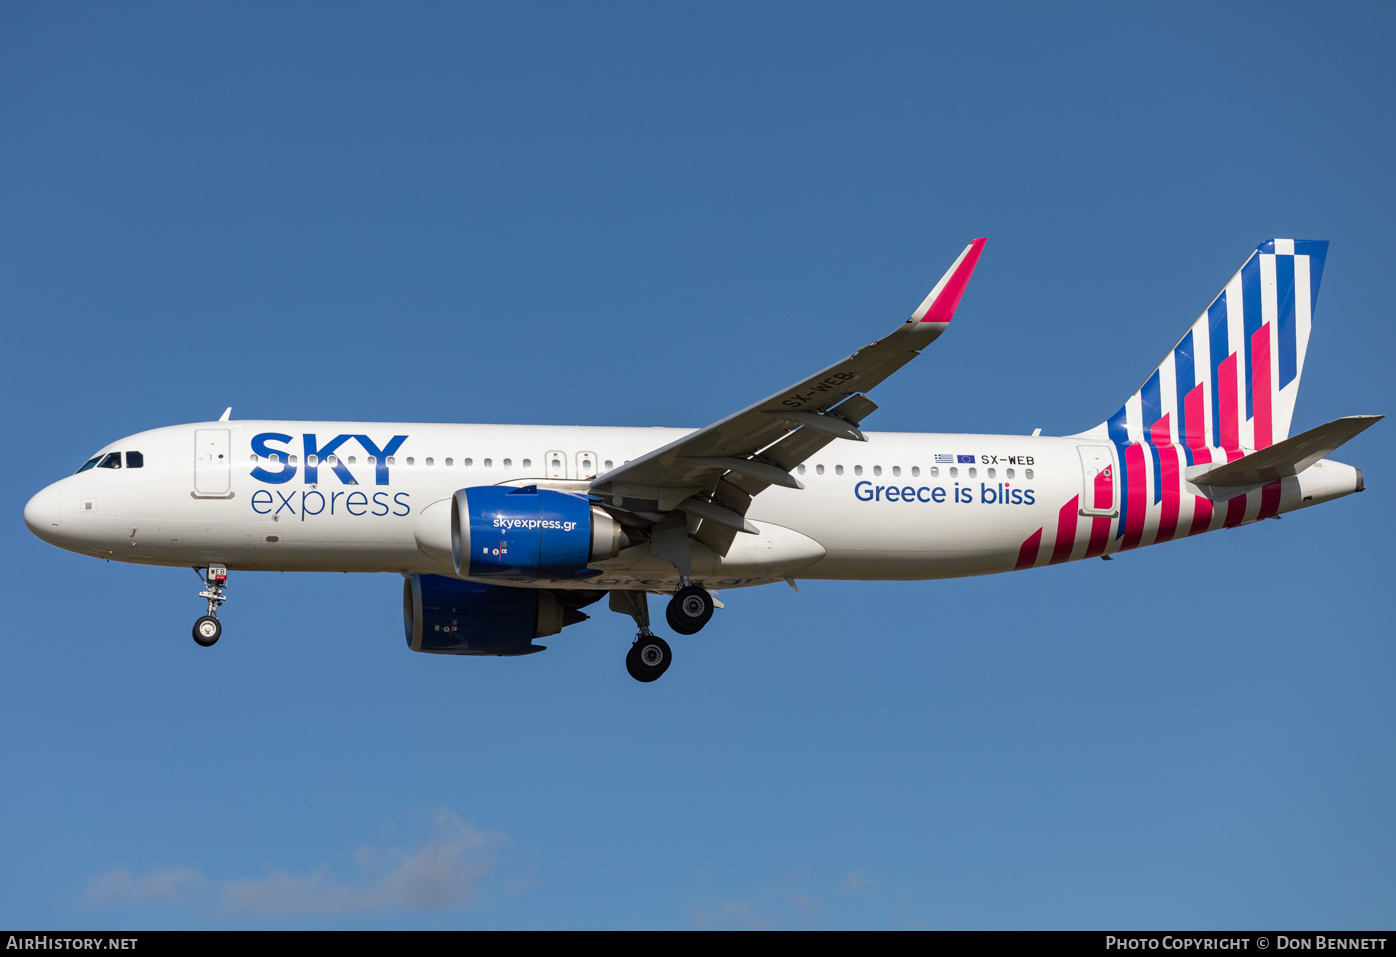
{"x":281,"y":463}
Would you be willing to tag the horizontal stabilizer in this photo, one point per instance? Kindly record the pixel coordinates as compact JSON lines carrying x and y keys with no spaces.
{"x":1289,"y":457}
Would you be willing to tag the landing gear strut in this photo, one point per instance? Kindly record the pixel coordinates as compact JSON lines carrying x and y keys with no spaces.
{"x":208,"y":628}
{"x":690,"y":608}
{"x":650,"y":656}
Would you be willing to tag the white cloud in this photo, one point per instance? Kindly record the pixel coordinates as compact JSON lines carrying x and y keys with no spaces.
{"x":440,"y":875}
{"x":730,"y":915}
{"x":853,"y":883}
{"x":120,"y":886}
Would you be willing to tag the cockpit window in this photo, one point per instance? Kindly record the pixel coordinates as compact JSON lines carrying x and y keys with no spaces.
{"x":112,"y":460}
{"x":88,"y":464}
{"x":134,"y":460}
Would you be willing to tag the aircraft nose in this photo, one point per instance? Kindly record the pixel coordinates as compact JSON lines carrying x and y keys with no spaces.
{"x":43,"y":515}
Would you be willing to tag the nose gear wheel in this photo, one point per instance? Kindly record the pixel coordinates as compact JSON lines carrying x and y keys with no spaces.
{"x":208,"y":629}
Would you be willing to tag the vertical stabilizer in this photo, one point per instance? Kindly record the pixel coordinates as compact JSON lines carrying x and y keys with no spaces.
{"x":1231,"y":382}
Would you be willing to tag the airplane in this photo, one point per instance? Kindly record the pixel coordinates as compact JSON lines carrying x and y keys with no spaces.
{"x":504,"y":533}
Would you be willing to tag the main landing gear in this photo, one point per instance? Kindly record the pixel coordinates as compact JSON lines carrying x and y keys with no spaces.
{"x":648,"y":658}
{"x":690,"y":608}
{"x":688,"y":611}
{"x":208,"y":629}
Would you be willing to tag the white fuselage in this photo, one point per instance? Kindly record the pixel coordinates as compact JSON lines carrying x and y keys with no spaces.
{"x":900,"y":506}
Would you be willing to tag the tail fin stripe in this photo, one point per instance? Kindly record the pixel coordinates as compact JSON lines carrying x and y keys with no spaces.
{"x":1306,"y":276}
{"x":1236,"y":510}
{"x":1317,"y":251}
{"x":1251,"y":280}
{"x":1229,"y":437}
{"x":1157,"y":458}
{"x":1218,"y":351}
{"x":1027,"y":554}
{"x":1201,"y":515}
{"x":1100,"y":537}
{"x":1133,"y":503}
{"x":1260,"y":374}
{"x":1066,"y":531}
{"x":1119,"y":427}
{"x":1166,"y":485}
{"x":1288,"y":334}
{"x":1196,"y":435}
{"x":1151,"y":402}
{"x":1183,"y":386}
{"x":1168,"y":396}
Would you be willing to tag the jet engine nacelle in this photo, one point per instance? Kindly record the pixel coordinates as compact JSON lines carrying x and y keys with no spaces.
{"x":526,"y":534}
{"x":447,"y":616}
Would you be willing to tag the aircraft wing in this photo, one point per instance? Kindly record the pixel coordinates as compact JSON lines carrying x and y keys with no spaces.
{"x":714,"y":473}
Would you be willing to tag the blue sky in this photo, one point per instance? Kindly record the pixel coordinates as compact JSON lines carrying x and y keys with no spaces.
{"x":640,"y":214}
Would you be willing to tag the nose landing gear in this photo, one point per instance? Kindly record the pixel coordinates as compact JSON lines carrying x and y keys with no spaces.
{"x":208,"y":629}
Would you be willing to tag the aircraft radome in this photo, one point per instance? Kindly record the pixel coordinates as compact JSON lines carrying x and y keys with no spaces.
{"x":504,"y":533}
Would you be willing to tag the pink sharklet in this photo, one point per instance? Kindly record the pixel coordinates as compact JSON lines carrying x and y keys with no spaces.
{"x":943,"y":309}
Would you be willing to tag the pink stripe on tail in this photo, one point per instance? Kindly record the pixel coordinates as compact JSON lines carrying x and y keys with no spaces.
{"x":1027,"y":555}
{"x":1066,"y":530}
{"x":1260,"y":386}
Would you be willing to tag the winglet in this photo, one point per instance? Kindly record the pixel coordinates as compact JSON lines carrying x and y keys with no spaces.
{"x":940,"y":305}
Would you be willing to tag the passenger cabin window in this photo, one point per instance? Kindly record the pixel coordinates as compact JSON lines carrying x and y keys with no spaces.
{"x":508,"y":463}
{"x":916,"y":471}
{"x":528,"y":464}
{"x":112,"y":460}
{"x":857,"y":470}
{"x":877,"y":470}
{"x":935,"y":472}
{"x":1028,"y":473}
{"x":838,"y":469}
{"x":819,"y":470}
{"x":801,"y":469}
{"x":135,"y":460}
{"x":1010,"y":473}
{"x":896,"y":470}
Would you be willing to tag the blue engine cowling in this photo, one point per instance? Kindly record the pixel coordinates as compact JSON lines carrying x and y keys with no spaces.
{"x":452,"y":617}
{"x":526,"y":534}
